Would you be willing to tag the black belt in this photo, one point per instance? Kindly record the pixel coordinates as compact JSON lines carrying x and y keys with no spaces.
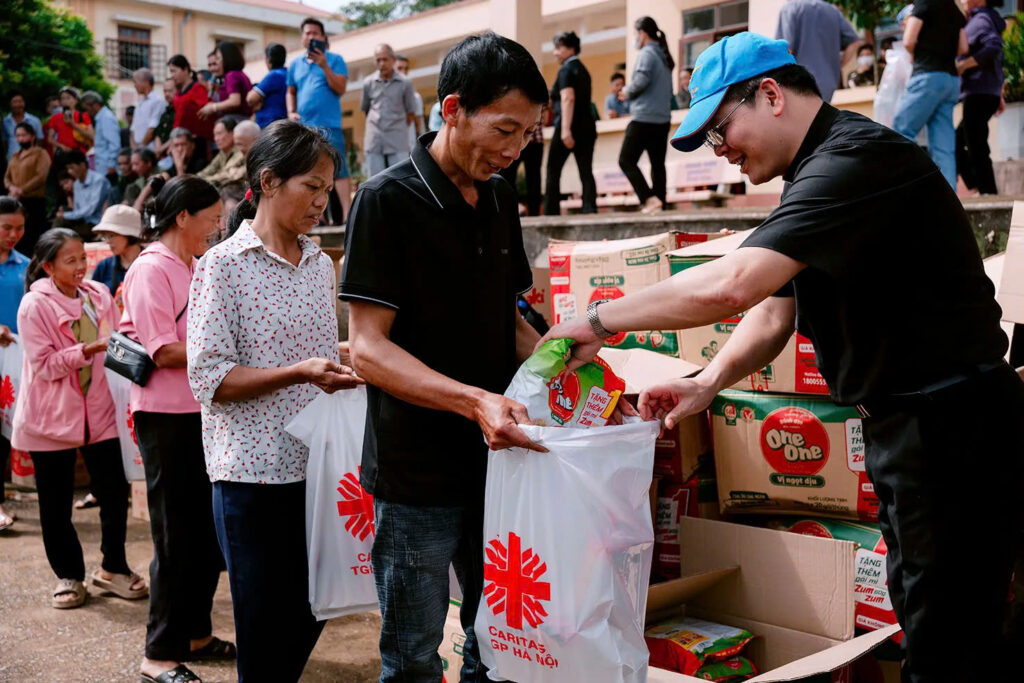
{"x":897,"y":402}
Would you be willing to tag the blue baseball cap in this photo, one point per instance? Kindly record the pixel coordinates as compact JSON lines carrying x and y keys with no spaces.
{"x":731,"y":60}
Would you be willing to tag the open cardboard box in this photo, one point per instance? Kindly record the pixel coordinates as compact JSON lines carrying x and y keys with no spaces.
{"x":1010,"y":284}
{"x":792,"y":591}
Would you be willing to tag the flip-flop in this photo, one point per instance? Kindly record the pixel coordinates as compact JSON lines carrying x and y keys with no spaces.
{"x":179,"y":674}
{"x":121,"y":585}
{"x":65,"y":587}
{"x":215,"y":649}
{"x":6,"y":521}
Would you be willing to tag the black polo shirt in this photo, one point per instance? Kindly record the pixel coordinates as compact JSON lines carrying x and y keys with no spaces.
{"x":894,"y":295}
{"x":451,"y":273}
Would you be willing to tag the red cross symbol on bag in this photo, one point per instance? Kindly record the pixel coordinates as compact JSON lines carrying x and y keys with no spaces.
{"x":6,"y":393}
{"x":511,"y":583}
{"x":357,"y":505}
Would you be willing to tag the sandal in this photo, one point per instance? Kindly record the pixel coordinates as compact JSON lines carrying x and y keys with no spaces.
{"x":6,"y":521}
{"x":215,"y":649}
{"x":121,"y":585}
{"x":69,"y":587}
{"x":88,"y":502}
{"x":179,"y":674}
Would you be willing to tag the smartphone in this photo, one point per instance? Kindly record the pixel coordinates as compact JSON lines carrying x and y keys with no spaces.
{"x":318,"y":45}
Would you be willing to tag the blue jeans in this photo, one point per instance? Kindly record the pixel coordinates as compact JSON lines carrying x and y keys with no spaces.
{"x":929,"y":101}
{"x":262,"y":533}
{"x":378,"y":161}
{"x":411,"y":555}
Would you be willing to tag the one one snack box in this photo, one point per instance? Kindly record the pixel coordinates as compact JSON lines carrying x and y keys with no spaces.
{"x":790,"y":454}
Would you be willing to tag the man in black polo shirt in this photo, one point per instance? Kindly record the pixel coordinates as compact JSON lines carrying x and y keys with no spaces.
{"x":871,"y":256}
{"x":434,"y":261}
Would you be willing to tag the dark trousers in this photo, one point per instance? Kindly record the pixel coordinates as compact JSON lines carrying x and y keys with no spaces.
{"x":35,"y":224}
{"x":55,"y":482}
{"x":412,"y":551}
{"x":261,"y":528}
{"x":973,"y":162}
{"x":186,"y":558}
{"x":653,"y":139}
{"x":948,"y":471}
{"x":583,"y":152}
{"x":530,"y":157}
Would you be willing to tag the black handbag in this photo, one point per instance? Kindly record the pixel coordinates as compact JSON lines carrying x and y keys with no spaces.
{"x":128,"y":358}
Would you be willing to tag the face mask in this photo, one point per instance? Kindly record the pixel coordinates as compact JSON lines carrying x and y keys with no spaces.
{"x":865,"y":61}
{"x":57,"y":110}
{"x":25,"y":145}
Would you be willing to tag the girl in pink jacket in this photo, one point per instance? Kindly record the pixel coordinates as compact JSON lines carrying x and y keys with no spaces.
{"x":65,"y":405}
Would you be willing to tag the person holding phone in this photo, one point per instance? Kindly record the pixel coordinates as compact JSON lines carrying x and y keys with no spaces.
{"x":316,"y":81}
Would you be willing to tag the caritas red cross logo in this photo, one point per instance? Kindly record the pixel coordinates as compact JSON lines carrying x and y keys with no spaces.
{"x":6,"y":393}
{"x":357,"y":505}
{"x":131,"y":426}
{"x":511,"y":583}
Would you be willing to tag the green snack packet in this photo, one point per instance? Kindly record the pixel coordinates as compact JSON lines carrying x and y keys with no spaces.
{"x":555,"y":397}
{"x":732,"y":669}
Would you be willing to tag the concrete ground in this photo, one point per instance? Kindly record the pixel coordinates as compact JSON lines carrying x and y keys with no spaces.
{"x":103,"y":640}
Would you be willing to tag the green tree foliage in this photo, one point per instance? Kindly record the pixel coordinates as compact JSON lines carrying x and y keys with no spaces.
{"x":44,"y":47}
{"x":360,"y":13}
{"x":868,"y":14}
{"x":1013,"y":59}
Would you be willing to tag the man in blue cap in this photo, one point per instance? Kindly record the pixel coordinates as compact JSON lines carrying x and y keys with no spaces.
{"x":871,"y":256}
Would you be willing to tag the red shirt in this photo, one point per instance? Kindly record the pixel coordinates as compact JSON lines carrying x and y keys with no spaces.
{"x":66,"y":134}
{"x":187,"y":104}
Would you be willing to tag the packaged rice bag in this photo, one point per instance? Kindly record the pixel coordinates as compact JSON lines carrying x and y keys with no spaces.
{"x":732,"y":669}
{"x":685,"y":644}
{"x":555,"y":397}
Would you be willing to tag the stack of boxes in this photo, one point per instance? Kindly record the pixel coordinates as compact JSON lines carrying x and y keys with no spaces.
{"x":780,"y":445}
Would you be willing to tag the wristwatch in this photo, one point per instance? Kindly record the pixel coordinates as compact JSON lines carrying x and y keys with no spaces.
{"x":595,"y":321}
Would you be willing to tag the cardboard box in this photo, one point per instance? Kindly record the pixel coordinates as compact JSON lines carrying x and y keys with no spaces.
{"x":994,"y":269}
{"x":582,"y":272}
{"x":791,"y":590}
{"x":791,"y":454}
{"x":873,"y":608}
{"x":540,"y":296}
{"x":795,"y":370}
{"x":94,"y":253}
{"x":1010,"y":290}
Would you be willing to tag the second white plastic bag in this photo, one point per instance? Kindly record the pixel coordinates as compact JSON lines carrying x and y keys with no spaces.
{"x":339,"y":512}
{"x":131,"y":457}
{"x":568,"y":545}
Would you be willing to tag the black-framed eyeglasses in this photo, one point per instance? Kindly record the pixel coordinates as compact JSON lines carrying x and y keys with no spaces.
{"x":714,"y":137}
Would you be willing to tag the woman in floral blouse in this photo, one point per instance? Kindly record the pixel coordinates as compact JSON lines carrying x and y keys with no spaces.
{"x":262,"y":343}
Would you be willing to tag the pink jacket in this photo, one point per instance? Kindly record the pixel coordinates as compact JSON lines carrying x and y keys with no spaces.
{"x":51,"y":412}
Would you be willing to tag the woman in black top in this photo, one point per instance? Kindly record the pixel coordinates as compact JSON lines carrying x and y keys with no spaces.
{"x":575,"y":131}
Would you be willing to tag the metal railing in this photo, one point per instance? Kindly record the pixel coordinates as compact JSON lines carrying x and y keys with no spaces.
{"x":124,"y":57}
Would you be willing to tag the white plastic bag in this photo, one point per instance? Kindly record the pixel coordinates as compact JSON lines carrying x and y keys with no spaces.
{"x":568,"y":547}
{"x":131,"y":457}
{"x":892,"y":86}
{"x":339,"y":512}
{"x":10,"y":384}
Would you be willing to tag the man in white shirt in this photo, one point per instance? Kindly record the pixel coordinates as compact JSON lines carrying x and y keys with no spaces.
{"x":148,"y":111}
{"x":416,"y":127}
